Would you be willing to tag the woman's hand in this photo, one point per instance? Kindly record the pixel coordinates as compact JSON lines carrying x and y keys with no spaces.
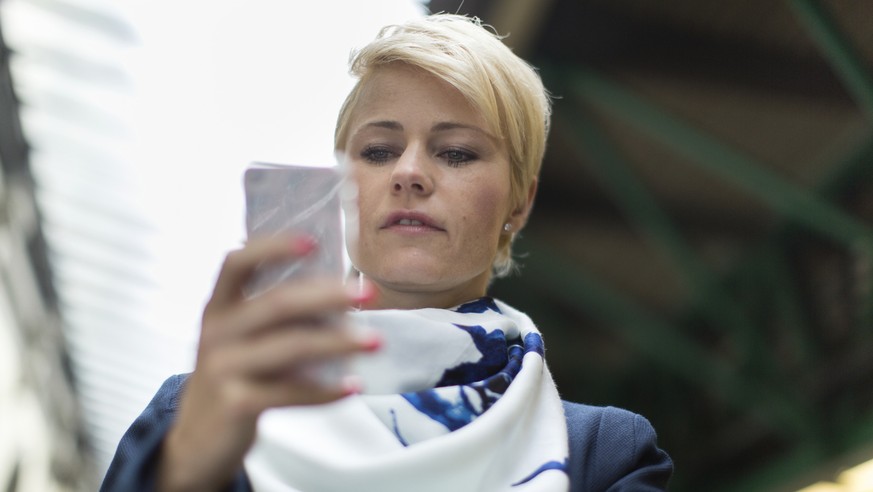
{"x":252,"y":356}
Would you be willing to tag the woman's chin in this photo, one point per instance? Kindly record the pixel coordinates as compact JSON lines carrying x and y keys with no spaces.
{"x":440,"y":284}
{"x":410,"y":281}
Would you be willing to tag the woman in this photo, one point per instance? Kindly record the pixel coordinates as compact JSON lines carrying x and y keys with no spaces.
{"x":444,"y":134}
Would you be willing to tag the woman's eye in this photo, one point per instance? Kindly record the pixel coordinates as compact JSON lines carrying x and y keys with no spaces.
{"x":457,"y":158}
{"x":376,"y":155}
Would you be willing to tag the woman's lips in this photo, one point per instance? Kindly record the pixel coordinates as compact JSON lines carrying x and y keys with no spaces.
{"x":410,"y":221}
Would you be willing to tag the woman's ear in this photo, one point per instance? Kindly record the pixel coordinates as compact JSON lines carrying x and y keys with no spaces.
{"x":519,"y":216}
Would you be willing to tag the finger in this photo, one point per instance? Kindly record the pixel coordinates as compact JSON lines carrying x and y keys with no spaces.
{"x":254,"y":397}
{"x":305,"y":300}
{"x":239,"y":265}
{"x":284,"y":352}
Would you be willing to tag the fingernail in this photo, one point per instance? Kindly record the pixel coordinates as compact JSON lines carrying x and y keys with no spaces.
{"x":303,"y":245}
{"x":372,"y":343}
{"x":364,"y":294}
{"x":351,"y":385}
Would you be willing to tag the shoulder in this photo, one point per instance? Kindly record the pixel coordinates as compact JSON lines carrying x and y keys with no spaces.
{"x":132,"y":467}
{"x":159,"y":413}
{"x":607,"y":425}
{"x":614,"y":449}
{"x":169,"y":392}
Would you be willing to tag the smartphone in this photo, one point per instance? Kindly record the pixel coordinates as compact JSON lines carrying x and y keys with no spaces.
{"x":283,"y":199}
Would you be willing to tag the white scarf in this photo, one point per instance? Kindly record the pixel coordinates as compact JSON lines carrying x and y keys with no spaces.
{"x":435,"y":416}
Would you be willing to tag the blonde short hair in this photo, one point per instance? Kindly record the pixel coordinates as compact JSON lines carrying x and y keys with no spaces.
{"x":506,"y":90}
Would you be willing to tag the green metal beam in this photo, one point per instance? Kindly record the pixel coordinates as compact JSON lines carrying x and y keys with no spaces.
{"x":792,"y":201}
{"x":631,"y":195}
{"x":851,"y":168}
{"x":838,"y":49}
{"x":855,"y":167}
{"x":663,"y":343}
{"x":642,"y":208}
{"x":787,"y":300}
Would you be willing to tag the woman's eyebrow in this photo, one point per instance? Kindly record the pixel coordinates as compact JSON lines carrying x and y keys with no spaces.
{"x":453,"y":125}
{"x":387,"y":124}
{"x":438,"y":127}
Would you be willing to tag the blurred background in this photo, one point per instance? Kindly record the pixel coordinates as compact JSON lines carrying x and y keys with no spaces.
{"x":700,"y":249}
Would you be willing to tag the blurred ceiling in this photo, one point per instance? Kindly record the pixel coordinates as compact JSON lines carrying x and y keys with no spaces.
{"x":701,"y":248}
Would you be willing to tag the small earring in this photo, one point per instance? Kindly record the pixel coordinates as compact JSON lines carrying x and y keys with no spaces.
{"x":507,"y":227}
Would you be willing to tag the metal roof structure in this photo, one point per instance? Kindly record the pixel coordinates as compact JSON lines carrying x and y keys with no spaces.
{"x":44,"y":445}
{"x":701,"y":248}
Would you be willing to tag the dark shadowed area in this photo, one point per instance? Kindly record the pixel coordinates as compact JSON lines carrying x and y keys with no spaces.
{"x":700,"y":250}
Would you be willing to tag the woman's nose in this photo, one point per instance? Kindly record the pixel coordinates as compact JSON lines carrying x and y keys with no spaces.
{"x":412,"y":173}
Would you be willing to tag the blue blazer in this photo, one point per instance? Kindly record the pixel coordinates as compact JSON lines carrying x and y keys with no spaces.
{"x":610,"y":449}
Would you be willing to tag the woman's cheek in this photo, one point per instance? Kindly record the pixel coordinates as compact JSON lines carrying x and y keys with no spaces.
{"x":491,"y":205}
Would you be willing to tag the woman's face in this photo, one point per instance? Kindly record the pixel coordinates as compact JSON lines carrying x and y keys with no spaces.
{"x":434,"y":190}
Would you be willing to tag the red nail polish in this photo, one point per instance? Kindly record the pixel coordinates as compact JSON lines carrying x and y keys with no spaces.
{"x":351,"y":385}
{"x":303,"y":245}
{"x":372,"y":343}
{"x":365,"y":294}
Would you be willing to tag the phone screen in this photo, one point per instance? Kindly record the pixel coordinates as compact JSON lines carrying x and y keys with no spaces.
{"x":283,"y":199}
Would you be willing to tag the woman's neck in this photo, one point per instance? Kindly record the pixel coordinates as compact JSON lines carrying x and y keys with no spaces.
{"x":392,"y":298}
